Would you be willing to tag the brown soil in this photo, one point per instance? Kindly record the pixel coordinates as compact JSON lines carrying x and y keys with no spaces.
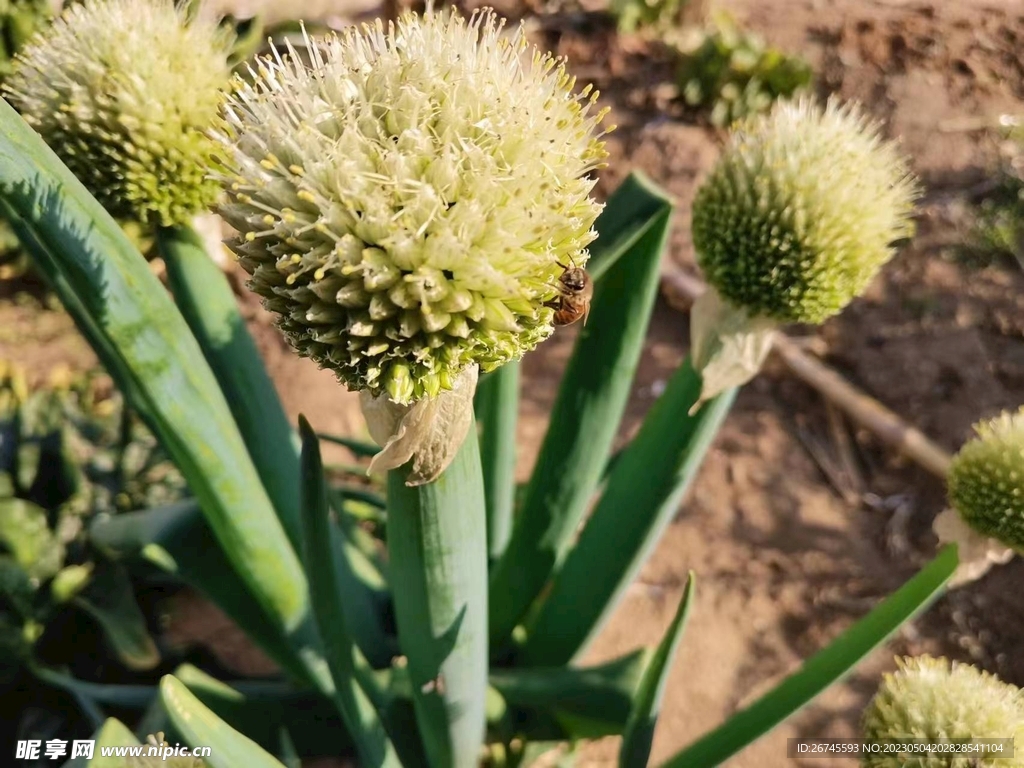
{"x":784,"y":559}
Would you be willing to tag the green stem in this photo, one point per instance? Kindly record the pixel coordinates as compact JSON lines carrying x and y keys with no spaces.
{"x":437,"y":548}
{"x":497,"y":407}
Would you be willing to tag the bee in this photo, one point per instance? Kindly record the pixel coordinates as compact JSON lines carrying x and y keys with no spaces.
{"x":575,"y":289}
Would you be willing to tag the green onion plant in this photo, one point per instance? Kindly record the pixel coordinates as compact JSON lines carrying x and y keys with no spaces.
{"x":405,"y":201}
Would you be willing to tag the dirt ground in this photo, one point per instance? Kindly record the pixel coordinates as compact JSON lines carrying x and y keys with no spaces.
{"x":785,"y":560}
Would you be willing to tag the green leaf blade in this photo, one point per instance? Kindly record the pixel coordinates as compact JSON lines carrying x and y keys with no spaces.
{"x":186,"y":546}
{"x":207,"y":303}
{"x":110,"y":601}
{"x":497,"y":408}
{"x":202,"y":728}
{"x":587,"y":702}
{"x":639,"y":733}
{"x":262,"y":710}
{"x":113,"y":733}
{"x":587,"y":411}
{"x":359,"y":714}
{"x":130,"y":696}
{"x":821,"y":670}
{"x":641,"y":497}
{"x":147,"y":346}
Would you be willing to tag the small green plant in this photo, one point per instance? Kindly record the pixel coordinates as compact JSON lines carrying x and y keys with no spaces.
{"x":998,"y":230}
{"x":730,"y":74}
{"x":657,"y":15}
{"x":998,"y":226}
{"x":69,"y":454}
{"x":407,"y":205}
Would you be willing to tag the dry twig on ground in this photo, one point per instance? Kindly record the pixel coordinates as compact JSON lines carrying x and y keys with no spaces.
{"x":683,"y":289}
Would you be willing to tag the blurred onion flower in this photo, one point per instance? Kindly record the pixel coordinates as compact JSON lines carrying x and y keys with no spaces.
{"x":406,"y":204}
{"x":933,"y":699}
{"x":986,"y":490}
{"x":124,"y":92}
{"x":794,"y":221}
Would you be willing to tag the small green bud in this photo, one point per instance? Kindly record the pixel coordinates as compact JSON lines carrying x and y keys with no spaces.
{"x":124,"y":92}
{"x":933,"y":699}
{"x":800,"y":212}
{"x":69,"y":581}
{"x":986,"y":479}
{"x":407,"y":205}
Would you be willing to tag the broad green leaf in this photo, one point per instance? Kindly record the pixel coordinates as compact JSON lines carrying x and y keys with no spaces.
{"x":358,"y":712}
{"x":586,"y":701}
{"x":361,"y":495}
{"x":263,"y":709}
{"x":26,"y":534}
{"x":437,"y":546}
{"x":587,"y":412}
{"x":92,"y":711}
{"x":624,"y":221}
{"x":146,"y":345}
{"x":641,"y":497}
{"x":113,"y":733}
{"x":110,"y":600}
{"x":822,"y":670}
{"x":87,"y":325}
{"x":289,"y":755}
{"x":358,"y":447}
{"x":176,"y":538}
{"x":199,"y":726}
{"x":208,"y":305}
{"x":639,"y":734}
{"x":17,"y":588}
{"x":496,"y":405}
{"x":130,"y":696}
{"x":70,"y":581}
{"x":366,"y":593}
{"x":249,"y":36}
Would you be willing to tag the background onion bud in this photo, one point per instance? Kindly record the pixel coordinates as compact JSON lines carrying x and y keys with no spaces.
{"x":800,"y":211}
{"x":933,"y":699}
{"x":405,"y":205}
{"x":986,"y":479}
{"x":124,"y":92}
